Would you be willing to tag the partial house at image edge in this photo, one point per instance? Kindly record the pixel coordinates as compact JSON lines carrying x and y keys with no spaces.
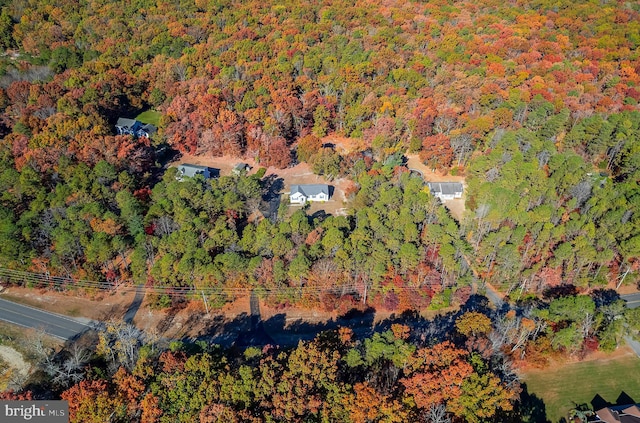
{"x":300,"y":194}
{"x":446,"y":190}
{"x":619,"y":413}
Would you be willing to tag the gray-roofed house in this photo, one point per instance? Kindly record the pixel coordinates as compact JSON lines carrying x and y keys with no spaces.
{"x":300,"y":194}
{"x":240,"y":167}
{"x":191,"y":170}
{"x":446,"y":190}
{"x":134,"y":127}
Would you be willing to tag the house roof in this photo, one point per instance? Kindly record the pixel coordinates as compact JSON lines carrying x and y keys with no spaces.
{"x":445,"y":188}
{"x":126,"y":123}
{"x":149,"y":128}
{"x":634,"y":410}
{"x":311,"y":189}
{"x":624,"y":414}
{"x":192,"y":170}
{"x":136,"y":125}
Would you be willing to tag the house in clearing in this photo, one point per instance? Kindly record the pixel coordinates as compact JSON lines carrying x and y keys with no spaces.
{"x":134,"y":127}
{"x":191,"y":170}
{"x":239,"y":168}
{"x":445,"y":190}
{"x":300,"y":194}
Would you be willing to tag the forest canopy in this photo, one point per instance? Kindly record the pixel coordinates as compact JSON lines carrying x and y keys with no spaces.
{"x":537,"y":103}
{"x":533,"y":103}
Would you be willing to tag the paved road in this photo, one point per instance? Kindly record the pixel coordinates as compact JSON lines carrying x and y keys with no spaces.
{"x":61,"y":327}
{"x":633,"y":300}
{"x":635,"y":345}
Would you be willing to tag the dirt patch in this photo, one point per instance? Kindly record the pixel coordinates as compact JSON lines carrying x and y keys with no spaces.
{"x":414,"y":162}
{"x":16,"y":363}
{"x":455,"y":207}
{"x":624,"y":289}
{"x":345,"y":145}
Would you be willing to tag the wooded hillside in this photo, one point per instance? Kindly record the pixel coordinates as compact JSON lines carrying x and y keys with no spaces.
{"x":542,"y":96}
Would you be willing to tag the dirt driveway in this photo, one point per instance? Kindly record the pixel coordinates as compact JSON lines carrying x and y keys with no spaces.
{"x":456,"y":207}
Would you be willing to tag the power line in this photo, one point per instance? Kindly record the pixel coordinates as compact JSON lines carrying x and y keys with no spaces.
{"x":26,"y":278}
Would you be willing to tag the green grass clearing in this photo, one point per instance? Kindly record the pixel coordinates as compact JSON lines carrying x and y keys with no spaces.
{"x":564,"y":386}
{"x":150,"y":116}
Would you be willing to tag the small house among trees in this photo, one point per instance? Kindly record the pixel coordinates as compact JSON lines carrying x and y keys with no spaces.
{"x":445,"y":190}
{"x":300,"y":194}
{"x":240,"y":167}
{"x":191,"y":171}
{"x":134,"y":127}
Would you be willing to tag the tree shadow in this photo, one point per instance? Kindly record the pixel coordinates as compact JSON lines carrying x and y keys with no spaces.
{"x":135,"y":305}
{"x":604,"y":297}
{"x":272,"y":186}
{"x":530,"y":409}
{"x":477,"y":302}
{"x":319,"y":216}
{"x":624,"y":399}
{"x":598,"y":403}
{"x":555,"y":292}
{"x":166,"y":154}
{"x":250,"y":329}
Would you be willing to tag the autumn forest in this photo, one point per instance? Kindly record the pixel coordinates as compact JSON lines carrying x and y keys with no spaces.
{"x":533,"y":103}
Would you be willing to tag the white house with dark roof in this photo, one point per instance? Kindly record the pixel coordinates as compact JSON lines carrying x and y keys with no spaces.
{"x":191,"y":170}
{"x":134,"y":127}
{"x":300,"y":194}
{"x":446,"y":190}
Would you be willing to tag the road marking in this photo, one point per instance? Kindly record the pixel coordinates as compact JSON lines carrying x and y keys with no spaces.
{"x":32,"y":318}
{"x":29,"y":327}
{"x":50,"y":322}
{"x":60,"y":316}
{"x":17,"y":312}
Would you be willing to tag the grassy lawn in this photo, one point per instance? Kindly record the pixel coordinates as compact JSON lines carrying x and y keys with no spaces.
{"x":577,"y":383}
{"x":149,"y":116}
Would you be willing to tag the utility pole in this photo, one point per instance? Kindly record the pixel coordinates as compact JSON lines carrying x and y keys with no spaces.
{"x":206,"y":305}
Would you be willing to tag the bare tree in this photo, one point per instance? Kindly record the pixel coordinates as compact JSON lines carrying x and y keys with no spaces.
{"x":165,"y":226}
{"x":437,"y":413}
{"x":462,"y":147}
{"x":179,"y":71}
{"x":67,"y":367}
{"x":120,"y":343}
{"x":581,"y":192}
{"x":543,"y":158}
